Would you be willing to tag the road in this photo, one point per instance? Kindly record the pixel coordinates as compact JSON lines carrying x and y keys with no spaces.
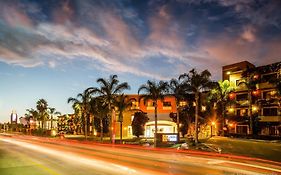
{"x":42,"y":156}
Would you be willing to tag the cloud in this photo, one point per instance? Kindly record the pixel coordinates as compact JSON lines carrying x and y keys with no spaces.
{"x":115,"y":38}
{"x":249,"y":34}
{"x":14,"y":16}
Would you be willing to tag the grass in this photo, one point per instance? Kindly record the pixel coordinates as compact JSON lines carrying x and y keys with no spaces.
{"x":246,"y":147}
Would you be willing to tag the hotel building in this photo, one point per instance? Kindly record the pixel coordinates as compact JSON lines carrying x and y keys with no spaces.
{"x":265,"y":100}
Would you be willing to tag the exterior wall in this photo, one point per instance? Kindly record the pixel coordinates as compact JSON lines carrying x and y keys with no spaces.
{"x":269,"y":124}
{"x":163,"y":116}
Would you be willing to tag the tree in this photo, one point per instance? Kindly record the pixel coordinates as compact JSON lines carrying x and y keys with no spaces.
{"x":122,"y":103}
{"x":220,"y":94}
{"x":42,"y":107}
{"x":83,"y":100}
{"x":33,"y":113}
{"x":177,"y":90}
{"x":52,"y":112}
{"x":154,"y":91}
{"x":138,"y":123}
{"x":78,"y":117}
{"x":251,"y":79}
{"x":109,"y":89}
{"x":100,"y":111}
{"x":196,"y":83}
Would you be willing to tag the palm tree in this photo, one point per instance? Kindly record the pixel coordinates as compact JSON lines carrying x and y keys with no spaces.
{"x":33,"y":113}
{"x":196,"y":83}
{"x":220,"y":94}
{"x":153,"y":91}
{"x":108,"y":89}
{"x":250,"y":81}
{"x":177,"y":90}
{"x":83,"y":99}
{"x":42,"y":107}
{"x":100,"y":110}
{"x":78,"y":117}
{"x":52,"y":112}
{"x":122,"y":103}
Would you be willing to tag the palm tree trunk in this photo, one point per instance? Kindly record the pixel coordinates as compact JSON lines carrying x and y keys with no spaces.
{"x":223,"y":119}
{"x":250,"y":112}
{"x":101,"y":131}
{"x":196,"y":116}
{"x":86,"y":126}
{"x":113,"y":126}
{"x":178,"y":123}
{"x":155,"y":127}
{"x":110,"y":122}
{"x":121,"y":131}
{"x":51,"y":121}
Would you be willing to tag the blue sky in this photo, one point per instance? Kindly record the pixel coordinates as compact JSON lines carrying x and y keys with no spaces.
{"x":54,"y":49}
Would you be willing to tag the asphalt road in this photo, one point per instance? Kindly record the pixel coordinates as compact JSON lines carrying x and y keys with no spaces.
{"x":21,"y":155}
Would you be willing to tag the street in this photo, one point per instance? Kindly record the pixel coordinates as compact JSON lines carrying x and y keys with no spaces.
{"x":34,"y":155}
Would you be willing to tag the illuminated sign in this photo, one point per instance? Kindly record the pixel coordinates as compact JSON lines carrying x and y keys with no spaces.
{"x":169,"y":138}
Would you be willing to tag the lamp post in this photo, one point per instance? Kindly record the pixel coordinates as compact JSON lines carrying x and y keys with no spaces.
{"x":212,"y":124}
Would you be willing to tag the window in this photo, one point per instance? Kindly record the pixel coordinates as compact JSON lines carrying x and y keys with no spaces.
{"x":183,"y":103}
{"x":269,"y":94}
{"x":241,"y":97}
{"x":149,"y":104}
{"x":270,"y":111}
{"x":239,"y":81}
{"x":267,"y":77}
{"x":238,"y":112}
{"x":167,"y":104}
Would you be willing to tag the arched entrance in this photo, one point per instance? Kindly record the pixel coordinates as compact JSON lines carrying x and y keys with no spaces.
{"x":163,"y":126}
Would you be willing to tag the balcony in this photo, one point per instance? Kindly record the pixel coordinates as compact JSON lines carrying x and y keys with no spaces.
{"x":270,"y":118}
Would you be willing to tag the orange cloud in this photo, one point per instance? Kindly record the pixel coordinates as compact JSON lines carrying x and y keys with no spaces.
{"x":15,"y":17}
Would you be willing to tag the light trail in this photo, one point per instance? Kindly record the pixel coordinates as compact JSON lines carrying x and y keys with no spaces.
{"x":127,"y":160}
{"x":101,"y":165}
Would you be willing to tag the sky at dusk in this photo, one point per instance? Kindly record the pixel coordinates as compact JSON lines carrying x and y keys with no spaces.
{"x":54,"y":49}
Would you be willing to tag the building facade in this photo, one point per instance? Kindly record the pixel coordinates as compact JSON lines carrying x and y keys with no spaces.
{"x":265,"y":106}
{"x":165,"y":123}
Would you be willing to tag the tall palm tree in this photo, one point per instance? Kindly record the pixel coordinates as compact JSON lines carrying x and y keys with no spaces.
{"x":83,"y":99}
{"x":100,"y":111}
{"x":220,"y":94}
{"x":52,"y":112}
{"x":177,"y":90}
{"x":196,"y":83}
{"x":108,"y":89}
{"x":42,"y":107}
{"x":122,"y":103}
{"x":154,"y":91}
{"x":250,"y":82}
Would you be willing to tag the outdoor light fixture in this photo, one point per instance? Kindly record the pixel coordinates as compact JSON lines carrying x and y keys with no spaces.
{"x":255,"y":108}
{"x":213,"y":123}
{"x":203,"y":108}
{"x":228,"y":72}
{"x":231,"y":110}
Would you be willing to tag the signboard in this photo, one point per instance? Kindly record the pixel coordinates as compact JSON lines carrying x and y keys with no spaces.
{"x":169,"y":138}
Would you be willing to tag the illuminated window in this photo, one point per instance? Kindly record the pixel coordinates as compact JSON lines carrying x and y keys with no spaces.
{"x":183,"y":103}
{"x":149,"y":104}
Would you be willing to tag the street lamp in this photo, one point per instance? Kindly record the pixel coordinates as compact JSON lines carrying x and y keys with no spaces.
{"x":212,"y":124}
